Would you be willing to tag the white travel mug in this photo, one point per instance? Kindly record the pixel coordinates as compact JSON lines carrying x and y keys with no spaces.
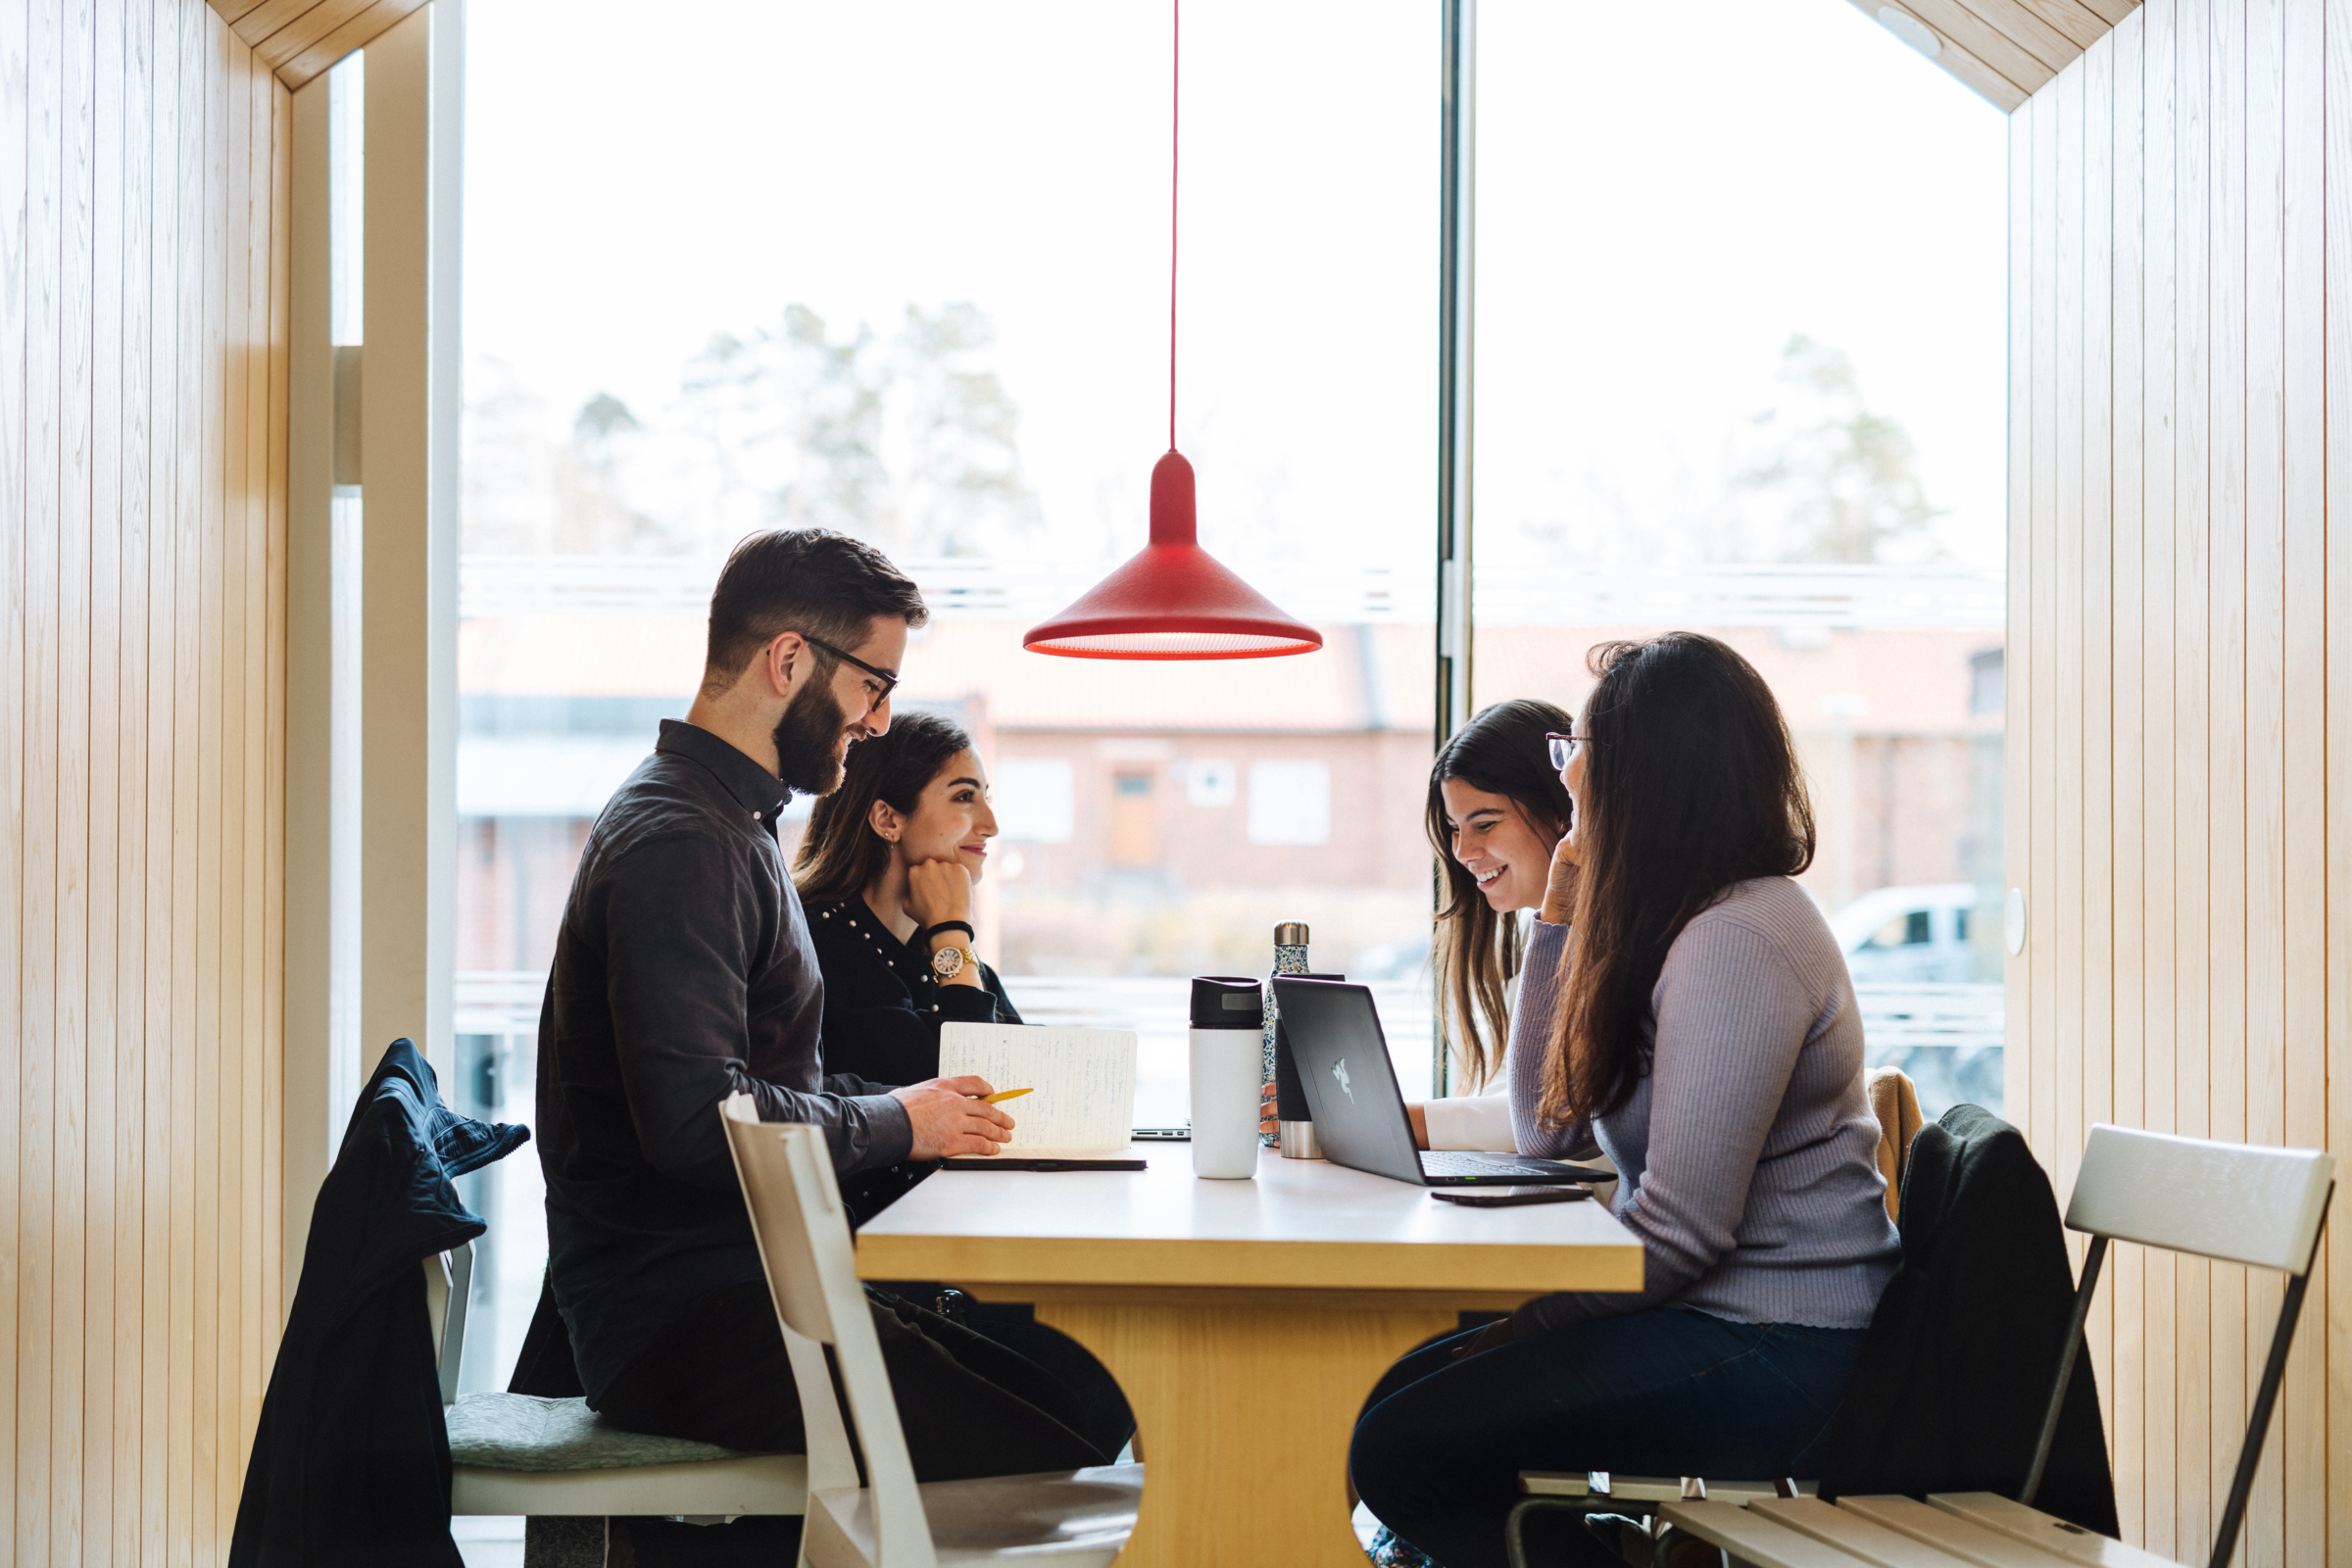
{"x":1228,"y":1071}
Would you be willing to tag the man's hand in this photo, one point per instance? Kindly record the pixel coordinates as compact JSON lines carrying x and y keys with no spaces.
{"x":949,"y":1119}
{"x":939,"y":890}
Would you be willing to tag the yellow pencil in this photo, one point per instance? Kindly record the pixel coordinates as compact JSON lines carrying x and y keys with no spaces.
{"x":1003,"y":1094}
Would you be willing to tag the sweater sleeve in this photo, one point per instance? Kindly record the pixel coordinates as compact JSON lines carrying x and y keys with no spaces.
{"x":1733,"y":1012}
{"x":682,"y":917}
{"x":1549,"y":953}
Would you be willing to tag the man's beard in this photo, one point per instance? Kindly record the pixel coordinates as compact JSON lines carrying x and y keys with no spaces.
{"x":805,"y":738}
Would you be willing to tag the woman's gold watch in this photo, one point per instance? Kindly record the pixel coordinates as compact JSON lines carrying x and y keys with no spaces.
{"x":949,"y":963}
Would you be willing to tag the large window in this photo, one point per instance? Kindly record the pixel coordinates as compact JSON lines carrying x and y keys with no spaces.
{"x":1741,"y":369}
{"x":903,"y":270}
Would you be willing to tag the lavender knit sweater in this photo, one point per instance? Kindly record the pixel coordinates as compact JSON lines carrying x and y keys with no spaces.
{"x":1747,"y":1156}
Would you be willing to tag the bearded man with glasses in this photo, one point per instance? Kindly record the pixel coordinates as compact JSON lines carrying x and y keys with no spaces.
{"x":684,"y":973}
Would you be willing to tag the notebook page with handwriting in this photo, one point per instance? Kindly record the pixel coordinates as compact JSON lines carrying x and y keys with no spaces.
{"x":1083,"y":1080}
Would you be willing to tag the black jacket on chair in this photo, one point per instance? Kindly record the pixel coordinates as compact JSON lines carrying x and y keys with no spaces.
{"x":351,"y":1461}
{"x":1955,"y":1374}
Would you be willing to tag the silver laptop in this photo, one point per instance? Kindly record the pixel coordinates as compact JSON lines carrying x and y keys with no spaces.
{"x":1350,"y":1085}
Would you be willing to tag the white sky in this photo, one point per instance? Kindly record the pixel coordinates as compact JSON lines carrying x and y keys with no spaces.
{"x":1667,"y":192}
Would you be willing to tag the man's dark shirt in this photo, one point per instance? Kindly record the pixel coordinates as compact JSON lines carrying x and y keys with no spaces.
{"x":683,"y":974}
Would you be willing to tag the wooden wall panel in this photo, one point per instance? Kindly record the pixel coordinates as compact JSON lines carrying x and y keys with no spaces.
{"x":2018,"y":748}
{"x":2123,"y":1380}
{"x":2161,"y":838}
{"x":2332,"y":1300}
{"x":2303,"y":1080}
{"x":2004,"y":50}
{"x":15,"y":369}
{"x":2192,"y":226}
{"x":2262,"y":1035}
{"x":2089,"y":1086}
{"x":2185,"y":216}
{"x":143,"y":190}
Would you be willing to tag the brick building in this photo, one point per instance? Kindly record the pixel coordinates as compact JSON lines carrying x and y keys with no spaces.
{"x":1159,"y":817}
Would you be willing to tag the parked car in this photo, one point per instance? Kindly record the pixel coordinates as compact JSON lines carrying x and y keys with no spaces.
{"x":1908,"y":935}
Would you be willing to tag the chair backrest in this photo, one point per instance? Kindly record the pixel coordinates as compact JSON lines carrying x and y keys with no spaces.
{"x":804,"y":1234}
{"x":2240,"y":1204}
{"x":448,"y":1290}
{"x":1894,"y":1101}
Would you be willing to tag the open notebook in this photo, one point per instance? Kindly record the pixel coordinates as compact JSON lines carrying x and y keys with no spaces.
{"x":1083,"y":1107}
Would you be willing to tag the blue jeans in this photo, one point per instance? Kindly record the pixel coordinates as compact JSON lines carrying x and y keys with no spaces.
{"x":1672,"y":1392}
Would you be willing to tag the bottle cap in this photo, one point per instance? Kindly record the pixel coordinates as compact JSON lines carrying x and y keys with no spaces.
{"x":1290,"y":934}
{"x":1228,"y":1001}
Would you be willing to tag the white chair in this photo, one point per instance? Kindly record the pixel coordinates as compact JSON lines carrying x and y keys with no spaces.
{"x":518,"y":1454}
{"x":1072,"y":1519}
{"x":2236,"y":1202}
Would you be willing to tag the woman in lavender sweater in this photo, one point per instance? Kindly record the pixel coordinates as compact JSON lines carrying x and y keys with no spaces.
{"x":1686,"y":1012}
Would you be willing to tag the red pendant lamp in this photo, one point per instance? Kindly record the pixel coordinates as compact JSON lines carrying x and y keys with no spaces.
{"x":1172,"y":600}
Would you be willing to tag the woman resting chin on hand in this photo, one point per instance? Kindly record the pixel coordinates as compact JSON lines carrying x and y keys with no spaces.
{"x":1687,"y":1012}
{"x":886,"y":873}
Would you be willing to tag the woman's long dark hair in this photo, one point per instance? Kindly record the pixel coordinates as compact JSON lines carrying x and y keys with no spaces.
{"x":1691,"y":785}
{"x":1477,"y":950}
{"x":840,"y":853}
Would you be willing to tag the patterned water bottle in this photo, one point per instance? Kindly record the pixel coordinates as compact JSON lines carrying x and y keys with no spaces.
{"x":1289,"y":957}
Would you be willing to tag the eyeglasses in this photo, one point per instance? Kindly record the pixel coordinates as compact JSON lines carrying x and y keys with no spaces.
{"x":888,"y":681}
{"x":1562,"y":748}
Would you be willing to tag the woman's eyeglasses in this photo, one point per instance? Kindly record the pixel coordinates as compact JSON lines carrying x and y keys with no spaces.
{"x":876,"y":696}
{"x":1562,"y":748}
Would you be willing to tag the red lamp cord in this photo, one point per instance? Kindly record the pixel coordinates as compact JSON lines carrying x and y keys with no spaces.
{"x":1175,"y":118}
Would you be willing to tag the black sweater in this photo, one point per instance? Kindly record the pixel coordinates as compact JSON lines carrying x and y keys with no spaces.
{"x":883,"y":1007}
{"x":883,"y":1010}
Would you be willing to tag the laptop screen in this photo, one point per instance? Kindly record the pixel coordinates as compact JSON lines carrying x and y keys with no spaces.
{"x":1351,"y":1085}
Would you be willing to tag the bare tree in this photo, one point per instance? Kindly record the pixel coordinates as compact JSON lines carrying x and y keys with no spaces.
{"x":1842,"y":475}
{"x":909,"y":441}
{"x":528,"y":490}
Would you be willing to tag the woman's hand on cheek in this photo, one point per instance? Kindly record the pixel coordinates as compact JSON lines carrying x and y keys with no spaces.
{"x":1559,"y":890}
{"x":939,"y":890}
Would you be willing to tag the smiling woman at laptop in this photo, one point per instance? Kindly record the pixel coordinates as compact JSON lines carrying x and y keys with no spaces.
{"x":1687,"y":1012}
{"x":1496,"y":813}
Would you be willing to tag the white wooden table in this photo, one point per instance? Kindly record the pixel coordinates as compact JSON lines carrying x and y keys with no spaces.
{"x":1244,"y":1320}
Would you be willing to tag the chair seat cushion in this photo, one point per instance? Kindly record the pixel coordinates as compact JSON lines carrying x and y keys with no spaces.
{"x":523,"y":1431}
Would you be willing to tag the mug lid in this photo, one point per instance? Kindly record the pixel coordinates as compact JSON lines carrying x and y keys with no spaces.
{"x":1228,"y":1001}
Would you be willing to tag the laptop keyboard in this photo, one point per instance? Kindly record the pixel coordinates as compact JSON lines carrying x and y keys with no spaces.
{"x":1450,"y":1163}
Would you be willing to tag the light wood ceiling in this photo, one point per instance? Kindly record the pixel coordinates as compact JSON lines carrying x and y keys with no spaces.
{"x":2003,"y":49}
{"x":300,"y":38}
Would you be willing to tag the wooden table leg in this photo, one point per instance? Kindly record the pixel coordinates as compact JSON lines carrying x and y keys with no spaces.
{"x":1246,"y":1414}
